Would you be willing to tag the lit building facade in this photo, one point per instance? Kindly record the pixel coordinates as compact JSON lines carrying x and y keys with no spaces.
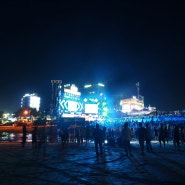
{"x":30,"y":101}
{"x":132,"y":104}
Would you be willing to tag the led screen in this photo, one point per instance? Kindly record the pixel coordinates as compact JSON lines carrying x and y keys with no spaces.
{"x":91,"y":108}
{"x":72,"y":106}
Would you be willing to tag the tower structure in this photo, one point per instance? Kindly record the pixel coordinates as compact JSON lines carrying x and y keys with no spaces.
{"x":139,"y":97}
{"x":138,"y":88}
{"x":56,"y":96}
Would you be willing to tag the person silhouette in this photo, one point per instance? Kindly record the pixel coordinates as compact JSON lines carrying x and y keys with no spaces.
{"x":24,"y":132}
{"x":148,"y":138}
{"x":141,"y":137}
{"x":98,"y":139}
{"x":126,"y":137}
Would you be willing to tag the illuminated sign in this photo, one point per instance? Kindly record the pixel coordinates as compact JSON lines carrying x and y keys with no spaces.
{"x":70,"y":105}
{"x":70,"y":102}
{"x":72,"y":92}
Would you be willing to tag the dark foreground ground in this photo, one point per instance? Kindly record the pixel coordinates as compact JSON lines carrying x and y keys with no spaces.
{"x":78,"y":164}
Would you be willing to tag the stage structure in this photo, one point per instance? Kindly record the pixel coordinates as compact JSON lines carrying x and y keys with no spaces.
{"x":68,"y":102}
{"x":66,"y":105}
{"x":94,"y":101}
{"x":56,"y":96}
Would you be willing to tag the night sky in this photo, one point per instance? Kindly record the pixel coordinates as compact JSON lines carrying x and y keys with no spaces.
{"x":118,"y":43}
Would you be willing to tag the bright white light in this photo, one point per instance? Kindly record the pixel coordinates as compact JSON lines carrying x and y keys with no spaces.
{"x":35,"y":102}
{"x":6,"y":115}
{"x":91,"y":108}
{"x":87,"y":86}
{"x":32,"y":99}
{"x":96,"y":100}
{"x":74,"y":88}
{"x":72,"y":106}
{"x":105,"y":109}
{"x":100,"y":84}
{"x":104,"y":114}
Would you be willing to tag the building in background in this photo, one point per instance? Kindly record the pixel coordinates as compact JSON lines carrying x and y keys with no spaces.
{"x":132,"y":104}
{"x":30,"y":101}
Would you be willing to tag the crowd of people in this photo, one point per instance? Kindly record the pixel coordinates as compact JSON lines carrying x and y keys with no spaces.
{"x":145,"y":132}
{"x":120,"y":135}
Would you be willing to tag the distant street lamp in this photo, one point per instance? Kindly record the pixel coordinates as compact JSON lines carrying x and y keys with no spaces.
{"x":26,"y":112}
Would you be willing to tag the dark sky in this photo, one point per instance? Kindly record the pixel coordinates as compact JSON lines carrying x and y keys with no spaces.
{"x":118,"y":43}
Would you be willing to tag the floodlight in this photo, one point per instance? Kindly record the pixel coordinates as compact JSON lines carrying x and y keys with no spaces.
{"x":100,"y":84}
{"x":87,"y":86}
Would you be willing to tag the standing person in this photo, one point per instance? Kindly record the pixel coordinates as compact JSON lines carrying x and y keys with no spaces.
{"x":98,"y":135}
{"x":35,"y":141}
{"x":156,"y":133}
{"x":24,"y":132}
{"x":182,"y":135}
{"x":43,"y":141}
{"x":148,"y":139}
{"x":64,"y":136}
{"x":87,"y":134}
{"x":126,"y":137}
{"x":176,"y":137}
{"x":162,"y":136}
{"x":166,"y":133}
{"x":34,"y":137}
{"x":141,"y":137}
